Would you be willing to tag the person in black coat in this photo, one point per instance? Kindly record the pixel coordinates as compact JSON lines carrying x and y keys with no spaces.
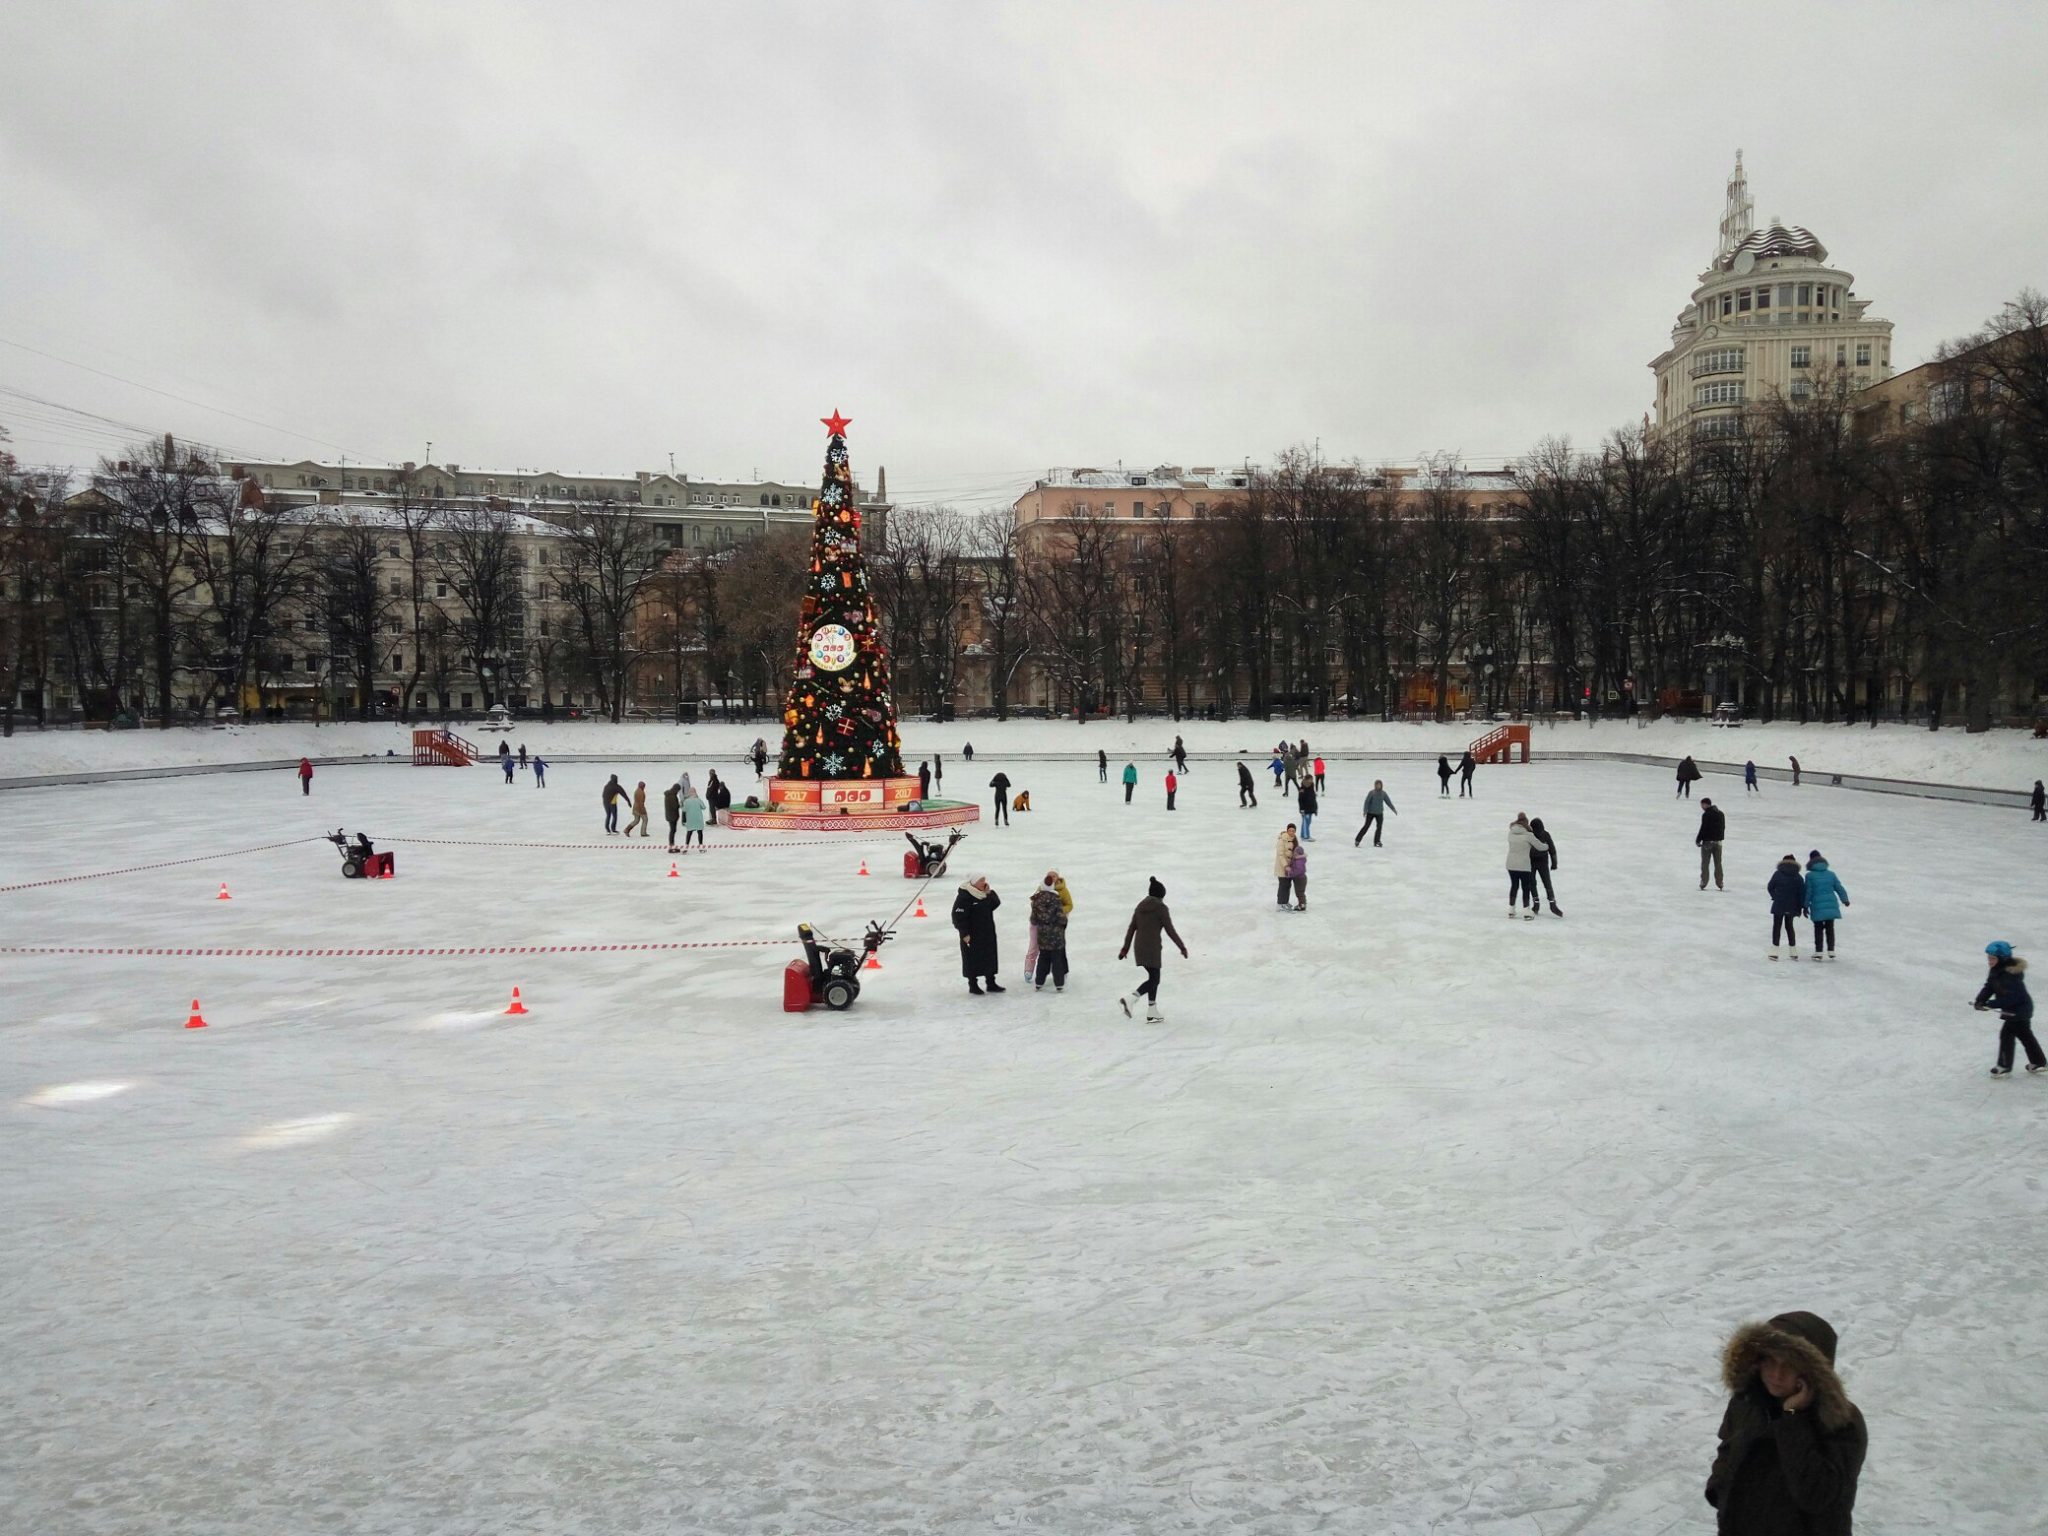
{"x":1465,"y":769}
{"x":1688,"y":771}
{"x":974,"y":917}
{"x":1788,"y":899}
{"x":2006,"y":990}
{"x":1101,"y":766}
{"x":2039,"y":801}
{"x":1247,"y":789}
{"x":1001,"y":785}
{"x":1791,"y":1442}
{"x":924,"y":781}
{"x":1713,"y":830}
{"x":1306,"y":799}
{"x":1443,"y":775}
{"x":1543,"y":860}
{"x":717,"y":797}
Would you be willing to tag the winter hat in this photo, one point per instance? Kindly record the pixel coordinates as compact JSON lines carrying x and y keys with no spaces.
{"x":1999,"y":948}
{"x":1521,"y":819}
{"x":1155,"y":889}
{"x":1813,"y":853}
{"x":1791,"y":859}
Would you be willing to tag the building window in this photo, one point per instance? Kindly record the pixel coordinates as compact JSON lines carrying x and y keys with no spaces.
{"x":1801,"y":388}
{"x":1862,"y":354}
{"x":1802,"y":357}
{"x":1720,"y":392}
{"x":1763,"y":297}
{"x":1727,"y":304}
{"x":1742,"y":301}
{"x":440,"y":589}
{"x":398,"y":661}
{"x":1806,"y":295}
{"x":1842,"y":356}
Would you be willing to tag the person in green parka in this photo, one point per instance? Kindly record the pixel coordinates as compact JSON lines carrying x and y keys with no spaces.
{"x":1130,"y":781}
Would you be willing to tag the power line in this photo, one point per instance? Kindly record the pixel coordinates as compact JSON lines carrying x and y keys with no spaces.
{"x":267,"y":426}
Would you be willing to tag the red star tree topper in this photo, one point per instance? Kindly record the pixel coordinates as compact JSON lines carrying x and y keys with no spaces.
{"x":839,"y":717}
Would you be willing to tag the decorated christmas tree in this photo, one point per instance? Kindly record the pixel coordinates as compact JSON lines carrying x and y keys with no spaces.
{"x":839,"y":721}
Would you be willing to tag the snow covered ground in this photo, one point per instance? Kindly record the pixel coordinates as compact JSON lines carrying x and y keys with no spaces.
{"x":2003,"y":759}
{"x":1409,"y":1219}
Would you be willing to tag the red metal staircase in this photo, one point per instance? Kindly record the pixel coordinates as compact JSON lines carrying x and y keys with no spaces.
{"x":1498,"y":745}
{"x":442,"y":749}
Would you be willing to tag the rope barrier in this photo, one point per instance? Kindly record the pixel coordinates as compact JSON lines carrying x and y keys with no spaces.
{"x":136,"y":869}
{"x":401,"y":953}
{"x":637,"y":845}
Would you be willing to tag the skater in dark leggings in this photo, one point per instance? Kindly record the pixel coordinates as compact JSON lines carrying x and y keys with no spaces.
{"x":1443,"y":775}
{"x":1543,"y":862}
{"x":2006,"y":990}
{"x":1825,"y":898}
{"x":1788,"y":899}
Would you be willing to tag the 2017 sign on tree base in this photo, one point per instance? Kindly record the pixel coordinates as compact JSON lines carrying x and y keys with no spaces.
{"x":841,"y":766}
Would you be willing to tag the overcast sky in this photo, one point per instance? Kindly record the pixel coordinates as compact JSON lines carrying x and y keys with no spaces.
{"x":999,"y":237}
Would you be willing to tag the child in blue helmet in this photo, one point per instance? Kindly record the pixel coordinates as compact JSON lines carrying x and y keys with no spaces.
{"x":2006,"y":990}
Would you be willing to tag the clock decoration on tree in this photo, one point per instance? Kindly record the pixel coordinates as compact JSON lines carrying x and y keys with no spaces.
{"x":840,"y":691}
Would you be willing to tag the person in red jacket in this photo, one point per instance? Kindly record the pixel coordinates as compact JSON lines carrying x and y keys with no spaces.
{"x":1172,"y":786}
{"x":305,"y":776}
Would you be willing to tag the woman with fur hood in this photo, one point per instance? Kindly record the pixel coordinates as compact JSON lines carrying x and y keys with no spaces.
{"x":974,"y":917}
{"x":1825,"y":898}
{"x":1792,"y":1444}
{"x":1289,"y":859}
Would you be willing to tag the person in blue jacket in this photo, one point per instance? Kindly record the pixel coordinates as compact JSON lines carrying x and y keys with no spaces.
{"x":2006,"y":990}
{"x":1130,"y":781}
{"x":1749,"y":776}
{"x":1825,"y":898}
{"x":1788,"y":899}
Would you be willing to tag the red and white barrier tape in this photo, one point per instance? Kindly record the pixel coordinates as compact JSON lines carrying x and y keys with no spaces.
{"x":136,"y":869}
{"x":328,"y":954}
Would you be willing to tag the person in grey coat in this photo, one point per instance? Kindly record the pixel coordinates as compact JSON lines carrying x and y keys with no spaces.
{"x":1377,"y":803}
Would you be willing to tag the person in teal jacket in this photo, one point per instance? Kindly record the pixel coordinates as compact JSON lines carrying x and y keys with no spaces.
{"x":693,"y":821}
{"x":1130,"y":781}
{"x":1825,"y":898}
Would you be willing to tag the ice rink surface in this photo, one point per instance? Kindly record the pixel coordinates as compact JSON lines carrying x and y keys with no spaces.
{"x":1410,"y":1218}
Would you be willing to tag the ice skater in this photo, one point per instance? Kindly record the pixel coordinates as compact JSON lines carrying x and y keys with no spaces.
{"x":1825,"y":898}
{"x":1522,"y":845}
{"x":1688,"y":772}
{"x":612,"y":793}
{"x":1130,"y":781}
{"x":1795,"y":770}
{"x":2006,"y":990}
{"x":1247,"y":789}
{"x":1544,"y":862}
{"x":1791,"y":1444}
{"x":639,"y":811}
{"x":2039,"y":801}
{"x":1149,"y":919}
{"x":1466,"y":768}
{"x":672,"y":810}
{"x":1377,"y":803}
{"x":1307,"y":802}
{"x":1277,"y":767}
{"x":1285,"y":847}
{"x":1320,"y":785}
{"x":1712,"y":833}
{"x":1172,"y":785}
{"x":694,"y":808}
{"x":306,"y":777}
{"x":1101,"y":766}
{"x":759,"y":756}
{"x":1749,"y":776}
{"x":1788,"y":902}
{"x":924,"y":781}
{"x":522,"y":754}
{"x":540,"y":771}
{"x":1001,"y":785}
{"x":974,"y":918}
{"x":1180,"y":755}
{"x":505,"y":762}
{"x":1050,"y":905}
{"x":717,"y":796}
{"x":1443,"y":777}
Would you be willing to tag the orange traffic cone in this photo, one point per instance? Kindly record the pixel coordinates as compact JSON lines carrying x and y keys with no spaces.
{"x":874,"y":961}
{"x":195,"y":1022}
{"x":863,"y":869}
{"x":517,"y":1006}
{"x":223,"y":896}
{"x":920,"y":912}
{"x":673,"y":873}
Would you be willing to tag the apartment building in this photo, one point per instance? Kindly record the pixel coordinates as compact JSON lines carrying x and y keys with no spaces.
{"x":1772,"y":317}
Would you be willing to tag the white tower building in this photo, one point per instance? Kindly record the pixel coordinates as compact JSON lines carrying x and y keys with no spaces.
{"x":1771,"y":317}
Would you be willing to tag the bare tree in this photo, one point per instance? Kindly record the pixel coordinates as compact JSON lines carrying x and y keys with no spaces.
{"x":478,"y":556}
{"x":992,"y":543}
{"x":1071,"y":584}
{"x":357,"y":606}
{"x":31,"y":556}
{"x":157,"y":502}
{"x":610,"y":557}
{"x":248,"y":559}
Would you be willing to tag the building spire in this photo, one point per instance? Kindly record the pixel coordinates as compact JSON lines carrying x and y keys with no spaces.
{"x":1738,"y":218}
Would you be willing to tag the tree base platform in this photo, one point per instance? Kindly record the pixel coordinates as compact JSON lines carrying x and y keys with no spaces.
{"x":943,"y":814}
